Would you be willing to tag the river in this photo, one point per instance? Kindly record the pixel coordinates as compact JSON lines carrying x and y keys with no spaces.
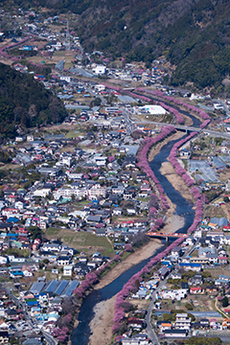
{"x":80,"y":335}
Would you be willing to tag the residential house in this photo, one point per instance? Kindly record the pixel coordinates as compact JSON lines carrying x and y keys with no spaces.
{"x":135,"y":323}
{"x":223,"y":260}
{"x":63,"y":260}
{"x":176,"y":333}
{"x":183,"y":321}
{"x":67,"y":270}
{"x":195,"y":290}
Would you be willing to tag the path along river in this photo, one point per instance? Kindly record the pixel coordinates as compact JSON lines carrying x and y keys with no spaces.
{"x":80,"y":335}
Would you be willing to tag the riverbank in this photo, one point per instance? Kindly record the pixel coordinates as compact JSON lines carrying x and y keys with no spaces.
{"x":139,"y":255}
{"x":101,"y":324}
{"x":156,"y":148}
{"x":176,"y":181}
{"x":104,"y":311}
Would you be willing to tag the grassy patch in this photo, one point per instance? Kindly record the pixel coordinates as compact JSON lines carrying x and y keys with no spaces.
{"x":52,"y":231}
{"x":72,"y":134}
{"x":82,"y":241}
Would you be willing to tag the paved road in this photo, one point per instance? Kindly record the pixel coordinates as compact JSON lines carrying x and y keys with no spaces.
{"x":129,"y":123}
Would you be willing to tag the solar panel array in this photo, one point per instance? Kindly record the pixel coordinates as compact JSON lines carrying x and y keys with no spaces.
{"x":51,"y":286}
{"x":206,"y":172}
{"x":61,"y":288}
{"x":70,"y":288}
{"x":37,"y":287}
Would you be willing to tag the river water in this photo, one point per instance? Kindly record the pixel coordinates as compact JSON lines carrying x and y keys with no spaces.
{"x":80,"y":335}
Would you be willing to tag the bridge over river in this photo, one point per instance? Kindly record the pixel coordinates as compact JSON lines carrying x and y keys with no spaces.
{"x":186,"y":129}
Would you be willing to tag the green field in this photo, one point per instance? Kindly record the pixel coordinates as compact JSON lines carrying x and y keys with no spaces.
{"x":82,"y":241}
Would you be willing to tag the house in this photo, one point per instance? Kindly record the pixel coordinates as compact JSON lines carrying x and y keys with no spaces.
{"x":54,"y":247}
{"x":176,"y":276}
{"x":163,"y":272}
{"x":177,"y":251}
{"x":63,"y":260}
{"x":165,"y":325}
{"x":67,"y":270}
{"x":142,"y":293}
{"x":4,"y":337}
{"x":117,"y":211}
{"x":196,"y":280}
{"x":183,"y":321}
{"x":176,"y":333}
{"x":135,"y":323}
{"x":213,"y":323}
{"x":204,"y":323}
{"x":222,"y":281}
{"x":195,"y":290}
{"x":211,"y":289}
{"x":223,"y":260}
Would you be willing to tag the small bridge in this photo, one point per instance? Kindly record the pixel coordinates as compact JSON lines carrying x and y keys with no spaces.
{"x":165,"y":235}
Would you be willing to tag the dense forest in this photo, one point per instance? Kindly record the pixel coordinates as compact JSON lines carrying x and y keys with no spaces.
{"x":194,"y":35}
{"x":25,"y":102}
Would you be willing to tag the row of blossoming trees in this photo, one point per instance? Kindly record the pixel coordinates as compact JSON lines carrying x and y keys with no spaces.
{"x":143,"y":163}
{"x":121,"y":305}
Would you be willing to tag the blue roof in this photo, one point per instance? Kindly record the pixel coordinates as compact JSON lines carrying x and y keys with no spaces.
{"x":12,"y":220}
{"x":16,"y":273}
{"x":42,"y":294}
{"x":32,"y":303}
{"x":188,"y":264}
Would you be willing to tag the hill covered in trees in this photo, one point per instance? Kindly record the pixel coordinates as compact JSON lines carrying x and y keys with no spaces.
{"x":25,"y":102}
{"x":194,"y":35}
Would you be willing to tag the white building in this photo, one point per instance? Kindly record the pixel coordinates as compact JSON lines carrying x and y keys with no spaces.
{"x":67,"y":270}
{"x":43,"y":192}
{"x":153,"y":109}
{"x":99,"y":87}
{"x":68,"y":192}
{"x":96,"y":191}
{"x":99,"y":70}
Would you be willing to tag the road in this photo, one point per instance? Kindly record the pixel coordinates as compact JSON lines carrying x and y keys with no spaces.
{"x":128,"y":121}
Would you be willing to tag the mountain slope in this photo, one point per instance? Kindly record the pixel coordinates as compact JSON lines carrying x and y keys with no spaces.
{"x":25,"y":102}
{"x":194,"y":35}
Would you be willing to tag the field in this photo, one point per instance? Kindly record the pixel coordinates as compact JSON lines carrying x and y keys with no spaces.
{"x":82,"y":241}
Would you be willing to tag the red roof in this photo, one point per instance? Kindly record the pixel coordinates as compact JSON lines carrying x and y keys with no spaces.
{"x":134,"y":320}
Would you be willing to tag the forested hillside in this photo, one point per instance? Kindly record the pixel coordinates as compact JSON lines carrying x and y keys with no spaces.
{"x":25,"y":102}
{"x":194,"y":35}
